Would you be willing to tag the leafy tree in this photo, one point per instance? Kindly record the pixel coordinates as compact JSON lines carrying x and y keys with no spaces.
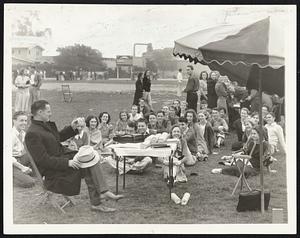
{"x":80,"y":56}
{"x":163,"y":58}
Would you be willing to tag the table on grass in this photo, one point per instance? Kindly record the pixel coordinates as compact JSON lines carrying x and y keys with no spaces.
{"x":135,"y":149}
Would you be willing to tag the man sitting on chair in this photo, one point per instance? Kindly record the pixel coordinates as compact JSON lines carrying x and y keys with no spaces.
{"x":21,"y":169}
{"x":55,"y":162}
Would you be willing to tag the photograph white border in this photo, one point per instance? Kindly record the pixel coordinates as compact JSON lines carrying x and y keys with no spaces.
{"x":289,"y":228}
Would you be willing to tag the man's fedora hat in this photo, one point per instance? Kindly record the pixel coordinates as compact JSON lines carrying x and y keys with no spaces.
{"x":87,"y":156}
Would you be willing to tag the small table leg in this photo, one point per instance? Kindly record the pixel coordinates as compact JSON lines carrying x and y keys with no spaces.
{"x":124,"y":172}
{"x":117,"y":174}
{"x":171,"y":178}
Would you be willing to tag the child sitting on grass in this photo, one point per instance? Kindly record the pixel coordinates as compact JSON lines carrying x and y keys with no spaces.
{"x":219,"y":126}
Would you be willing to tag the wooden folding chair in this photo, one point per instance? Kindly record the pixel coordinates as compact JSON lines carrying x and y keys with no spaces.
{"x":66,"y":91}
{"x":46,"y":195}
{"x":242,"y":178}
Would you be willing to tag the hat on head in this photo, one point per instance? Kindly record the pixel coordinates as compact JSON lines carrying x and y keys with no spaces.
{"x":86,"y":156}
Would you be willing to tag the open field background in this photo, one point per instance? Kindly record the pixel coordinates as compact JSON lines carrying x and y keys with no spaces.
{"x":147,"y":199}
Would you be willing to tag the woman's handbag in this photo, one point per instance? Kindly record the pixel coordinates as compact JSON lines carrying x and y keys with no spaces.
{"x":250,"y":201}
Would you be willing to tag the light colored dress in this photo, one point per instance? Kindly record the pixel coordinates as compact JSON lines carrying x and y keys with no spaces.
{"x":179,"y":84}
{"x":120,"y":128}
{"x":106,"y":132}
{"x":22,"y":94}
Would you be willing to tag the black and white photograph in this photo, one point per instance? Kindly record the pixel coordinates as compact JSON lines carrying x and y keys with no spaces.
{"x":138,"y":119}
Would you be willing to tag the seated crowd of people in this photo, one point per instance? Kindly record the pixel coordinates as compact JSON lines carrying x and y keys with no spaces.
{"x":199,"y":135}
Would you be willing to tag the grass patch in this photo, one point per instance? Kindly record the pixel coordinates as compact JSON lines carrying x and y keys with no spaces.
{"x":147,"y":200}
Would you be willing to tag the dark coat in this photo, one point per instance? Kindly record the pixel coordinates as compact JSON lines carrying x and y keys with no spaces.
{"x":146,"y":84}
{"x":138,"y":91}
{"x":211,"y":94}
{"x":237,"y":126}
{"x":43,"y":143}
{"x":209,"y":136}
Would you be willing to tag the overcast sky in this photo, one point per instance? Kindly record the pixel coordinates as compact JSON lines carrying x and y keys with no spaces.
{"x":113,"y":29}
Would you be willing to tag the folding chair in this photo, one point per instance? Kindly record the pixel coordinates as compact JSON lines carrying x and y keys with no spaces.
{"x":242,"y":178}
{"x":46,"y":195}
{"x":67,"y":94}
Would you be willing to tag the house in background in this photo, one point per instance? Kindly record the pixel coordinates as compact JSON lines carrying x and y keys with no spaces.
{"x":26,"y":54}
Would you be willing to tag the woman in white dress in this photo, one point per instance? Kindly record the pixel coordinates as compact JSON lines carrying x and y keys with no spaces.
{"x":22,"y":82}
{"x":179,"y":82}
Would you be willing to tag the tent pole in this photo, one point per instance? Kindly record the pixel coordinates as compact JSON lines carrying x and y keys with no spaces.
{"x":262,"y":197}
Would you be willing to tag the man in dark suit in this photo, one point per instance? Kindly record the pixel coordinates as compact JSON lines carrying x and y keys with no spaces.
{"x":191,"y":89}
{"x":54,"y":161}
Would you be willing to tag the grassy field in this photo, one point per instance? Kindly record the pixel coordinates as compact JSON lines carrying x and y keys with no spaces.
{"x":147,"y":199}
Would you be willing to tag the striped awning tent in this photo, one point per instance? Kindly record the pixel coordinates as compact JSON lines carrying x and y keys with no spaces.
{"x":234,"y":49}
{"x":254,"y":50}
{"x":260,"y":43}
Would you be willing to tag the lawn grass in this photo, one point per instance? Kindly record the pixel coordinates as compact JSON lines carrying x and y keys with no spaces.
{"x":147,"y":198}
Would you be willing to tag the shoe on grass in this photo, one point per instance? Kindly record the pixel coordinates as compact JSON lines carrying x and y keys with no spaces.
{"x":273,"y":171}
{"x":216,"y":171}
{"x":226,"y":157}
{"x":111,"y":196}
{"x":102,"y":208}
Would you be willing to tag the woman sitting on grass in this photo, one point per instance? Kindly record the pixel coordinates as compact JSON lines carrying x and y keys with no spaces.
{"x":106,"y":128}
{"x":94,"y":133}
{"x":121,"y":124}
{"x":181,"y":157}
{"x":251,"y":152}
{"x":191,"y":117}
{"x":248,"y":128}
{"x":275,"y":134}
{"x":208,"y":132}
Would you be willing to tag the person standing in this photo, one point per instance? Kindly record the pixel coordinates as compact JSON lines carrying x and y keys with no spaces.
{"x":147,"y":88}
{"x":221,"y":91}
{"x":36,"y":82}
{"x":211,"y":92}
{"x":138,"y":89}
{"x":191,"y":89}
{"x":203,"y":85}
{"x":22,"y":83}
{"x":179,"y":81}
